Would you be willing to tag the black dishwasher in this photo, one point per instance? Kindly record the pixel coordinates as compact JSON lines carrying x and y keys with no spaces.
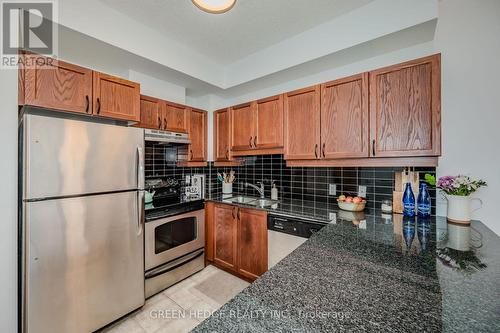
{"x":293,"y":225}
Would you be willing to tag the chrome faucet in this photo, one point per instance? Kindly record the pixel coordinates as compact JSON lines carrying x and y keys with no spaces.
{"x":258,"y":189}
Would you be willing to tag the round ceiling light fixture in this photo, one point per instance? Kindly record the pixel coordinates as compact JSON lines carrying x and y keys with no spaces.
{"x":214,"y":6}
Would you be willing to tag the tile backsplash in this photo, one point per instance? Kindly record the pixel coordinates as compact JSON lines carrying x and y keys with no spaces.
{"x":297,"y":183}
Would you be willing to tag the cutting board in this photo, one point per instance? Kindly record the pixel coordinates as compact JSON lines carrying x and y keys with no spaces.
{"x":400,"y":180}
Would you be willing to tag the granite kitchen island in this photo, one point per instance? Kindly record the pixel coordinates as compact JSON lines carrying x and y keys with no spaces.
{"x":388,"y":275}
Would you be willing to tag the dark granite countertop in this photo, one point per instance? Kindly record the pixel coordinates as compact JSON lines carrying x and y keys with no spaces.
{"x":380,"y":273}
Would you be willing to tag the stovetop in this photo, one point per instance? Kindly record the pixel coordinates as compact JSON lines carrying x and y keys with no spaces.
{"x":169,"y":199}
{"x":159,"y":212}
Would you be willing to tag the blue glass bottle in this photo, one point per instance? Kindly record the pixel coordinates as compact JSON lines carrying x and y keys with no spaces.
{"x":424,"y":201}
{"x":408,"y":201}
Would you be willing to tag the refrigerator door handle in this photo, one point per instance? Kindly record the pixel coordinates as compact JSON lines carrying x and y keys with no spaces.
{"x":140,"y":168}
{"x":140,"y":212}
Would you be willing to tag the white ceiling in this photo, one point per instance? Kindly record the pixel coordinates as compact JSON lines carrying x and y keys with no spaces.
{"x":250,"y":26}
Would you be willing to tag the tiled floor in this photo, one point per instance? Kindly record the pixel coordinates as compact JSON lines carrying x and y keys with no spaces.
{"x":183,"y":306}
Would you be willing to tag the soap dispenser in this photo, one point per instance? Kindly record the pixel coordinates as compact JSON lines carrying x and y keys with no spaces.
{"x":274,"y":192}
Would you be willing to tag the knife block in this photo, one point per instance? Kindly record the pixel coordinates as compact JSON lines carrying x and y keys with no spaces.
{"x":400,"y":180}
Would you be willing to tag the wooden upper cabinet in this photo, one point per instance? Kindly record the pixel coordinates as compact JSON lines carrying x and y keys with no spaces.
{"x":225,"y":236}
{"x":252,"y":242}
{"x":269,"y":122}
{"x":344,"y":118}
{"x":116,"y":98}
{"x":302,"y":123}
{"x":405,"y":109}
{"x":242,"y":127}
{"x":198,"y":135}
{"x":56,"y":85}
{"x":151,"y":109}
{"x":176,"y":117}
{"x":222,"y":125}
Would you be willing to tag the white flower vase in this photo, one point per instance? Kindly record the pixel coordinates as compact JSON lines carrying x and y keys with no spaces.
{"x":459,"y":208}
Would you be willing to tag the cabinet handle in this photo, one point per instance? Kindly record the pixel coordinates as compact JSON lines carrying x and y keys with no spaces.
{"x":191,"y":152}
{"x":373,"y":147}
{"x":324,"y":150}
{"x":238,"y":213}
{"x":159,"y":122}
{"x":316,"y":150}
{"x":164,"y":123}
{"x":87,"y":103}
{"x":232,"y":212}
{"x":98,"y":105}
{"x":255,"y":141}
{"x":250,"y":142}
{"x":227,"y":154}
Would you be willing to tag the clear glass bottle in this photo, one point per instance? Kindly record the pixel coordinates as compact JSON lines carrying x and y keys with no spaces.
{"x":408,"y":201}
{"x":424,"y":201}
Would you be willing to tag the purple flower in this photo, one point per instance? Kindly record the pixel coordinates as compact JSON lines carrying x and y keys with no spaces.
{"x":446,"y":182}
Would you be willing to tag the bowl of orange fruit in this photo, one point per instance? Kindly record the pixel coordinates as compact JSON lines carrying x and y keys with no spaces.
{"x":351,"y":204}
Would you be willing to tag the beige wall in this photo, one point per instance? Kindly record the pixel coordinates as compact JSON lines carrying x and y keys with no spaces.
{"x":468,"y":36}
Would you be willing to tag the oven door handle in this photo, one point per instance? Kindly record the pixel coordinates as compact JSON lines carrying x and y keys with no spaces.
{"x":174,"y":264}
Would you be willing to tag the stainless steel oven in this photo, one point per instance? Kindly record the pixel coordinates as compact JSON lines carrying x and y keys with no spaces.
{"x":174,"y":249}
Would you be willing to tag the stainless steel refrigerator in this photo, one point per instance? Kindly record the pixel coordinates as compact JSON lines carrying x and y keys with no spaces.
{"x":81,"y":223}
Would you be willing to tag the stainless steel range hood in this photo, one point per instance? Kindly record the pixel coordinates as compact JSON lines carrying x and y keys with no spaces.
{"x":165,"y":137}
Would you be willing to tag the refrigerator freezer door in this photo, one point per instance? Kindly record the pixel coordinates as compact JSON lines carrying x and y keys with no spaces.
{"x":84,"y":261}
{"x":64,"y":157}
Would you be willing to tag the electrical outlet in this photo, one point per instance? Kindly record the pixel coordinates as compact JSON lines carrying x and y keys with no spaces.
{"x":333,"y":218}
{"x":188,"y":179}
{"x":332,"y":189}
{"x":362,"y":191}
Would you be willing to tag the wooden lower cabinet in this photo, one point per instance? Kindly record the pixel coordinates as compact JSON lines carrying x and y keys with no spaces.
{"x":252,"y":242}
{"x":237,"y":239}
{"x":225,"y":236}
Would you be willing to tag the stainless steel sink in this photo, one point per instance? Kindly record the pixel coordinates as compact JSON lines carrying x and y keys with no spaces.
{"x":263,"y":203}
{"x":240,"y":199}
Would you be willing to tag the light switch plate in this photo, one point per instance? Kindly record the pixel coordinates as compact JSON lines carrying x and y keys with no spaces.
{"x":188,"y":179}
{"x":332,"y":189}
{"x":362,"y":191}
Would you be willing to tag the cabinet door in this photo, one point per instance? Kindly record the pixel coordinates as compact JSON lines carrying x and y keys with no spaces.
{"x":225,"y":236}
{"x":242,"y":127}
{"x":176,"y":117}
{"x":222,"y":135}
{"x":269,"y":122}
{"x":344,"y":117}
{"x":116,"y":98}
{"x":252,"y":242}
{"x":150,"y":112}
{"x":198,"y":135}
{"x":55,"y":84}
{"x":302,"y":124}
{"x":405,"y":109}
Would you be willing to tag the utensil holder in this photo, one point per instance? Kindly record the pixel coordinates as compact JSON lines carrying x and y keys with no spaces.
{"x":227,"y":188}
